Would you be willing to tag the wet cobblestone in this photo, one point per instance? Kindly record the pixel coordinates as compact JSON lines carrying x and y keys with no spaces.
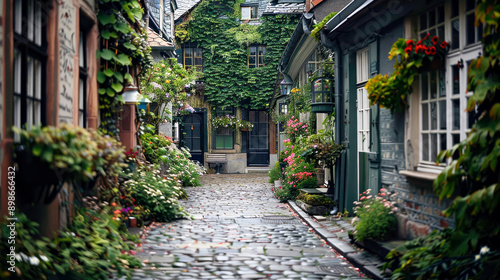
{"x":238,"y":231}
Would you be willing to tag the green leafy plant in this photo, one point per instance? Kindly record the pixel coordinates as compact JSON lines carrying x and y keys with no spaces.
{"x":322,"y":149}
{"x":275,"y":173}
{"x":317,"y":27}
{"x":157,"y":193}
{"x":232,"y":122}
{"x":314,"y":199}
{"x":411,"y":58}
{"x":375,"y":216}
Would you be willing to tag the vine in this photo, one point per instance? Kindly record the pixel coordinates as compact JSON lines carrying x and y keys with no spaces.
{"x":228,"y":80}
{"x":123,"y":46}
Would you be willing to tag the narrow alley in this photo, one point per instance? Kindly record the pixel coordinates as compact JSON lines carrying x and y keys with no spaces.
{"x":238,"y":231}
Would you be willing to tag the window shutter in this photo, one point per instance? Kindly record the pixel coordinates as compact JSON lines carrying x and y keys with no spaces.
{"x":374,"y":155}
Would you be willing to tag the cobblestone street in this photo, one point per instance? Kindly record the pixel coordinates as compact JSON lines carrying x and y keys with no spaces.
{"x":239,"y":231}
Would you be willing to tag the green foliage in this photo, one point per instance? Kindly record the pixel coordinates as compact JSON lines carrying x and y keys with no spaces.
{"x":376,"y":216}
{"x":123,"y":46}
{"x":314,"y":199}
{"x":275,"y":173}
{"x":82,"y":155}
{"x":156,"y":193}
{"x":166,"y":82}
{"x":154,"y":146}
{"x":89,"y":248}
{"x":232,"y":122}
{"x":322,"y":149}
{"x":213,"y":25}
{"x":411,"y":58}
{"x":317,"y":27}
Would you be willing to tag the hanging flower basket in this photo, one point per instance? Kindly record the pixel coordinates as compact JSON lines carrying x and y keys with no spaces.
{"x":231,"y":122}
{"x":411,"y":59}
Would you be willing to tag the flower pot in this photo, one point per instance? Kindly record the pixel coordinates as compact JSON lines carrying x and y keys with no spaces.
{"x":39,"y":182}
{"x":132,"y":222}
{"x":244,"y":129}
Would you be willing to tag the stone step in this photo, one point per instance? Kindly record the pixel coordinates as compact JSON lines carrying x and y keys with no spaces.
{"x":263,"y":169}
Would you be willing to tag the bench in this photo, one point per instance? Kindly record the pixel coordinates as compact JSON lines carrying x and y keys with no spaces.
{"x":217,"y":159}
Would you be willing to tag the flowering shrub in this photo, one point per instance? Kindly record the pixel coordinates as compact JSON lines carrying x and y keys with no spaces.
{"x":156,"y":193}
{"x":232,"y":122}
{"x":375,"y":216}
{"x":180,"y":166}
{"x":296,"y":129}
{"x":411,"y":58}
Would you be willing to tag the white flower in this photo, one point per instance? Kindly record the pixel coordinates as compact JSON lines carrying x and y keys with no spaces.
{"x":34,"y":261}
{"x":44,"y":258}
{"x":477,"y":257}
{"x":162,"y":197}
{"x":484,"y":250}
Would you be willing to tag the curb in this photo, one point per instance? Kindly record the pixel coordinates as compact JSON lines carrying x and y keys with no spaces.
{"x":341,"y":247}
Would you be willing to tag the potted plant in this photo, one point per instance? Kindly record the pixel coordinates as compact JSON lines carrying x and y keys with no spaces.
{"x":231,"y":122}
{"x":245,"y":125}
{"x":411,"y":59}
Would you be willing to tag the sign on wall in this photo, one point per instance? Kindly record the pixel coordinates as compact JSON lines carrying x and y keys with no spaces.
{"x":67,"y":50}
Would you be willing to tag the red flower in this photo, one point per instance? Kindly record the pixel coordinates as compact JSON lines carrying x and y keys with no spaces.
{"x":435,"y":40}
{"x":428,"y":51}
{"x":444,"y":44}
{"x":419,"y":48}
{"x":410,"y":42}
{"x":427,"y":36}
{"x":433,"y":50}
{"x":408,"y":50}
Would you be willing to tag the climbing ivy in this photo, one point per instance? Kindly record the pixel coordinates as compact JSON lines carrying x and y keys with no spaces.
{"x":123,"y":46}
{"x":214,"y":26}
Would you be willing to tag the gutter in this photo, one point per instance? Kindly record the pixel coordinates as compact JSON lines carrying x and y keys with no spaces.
{"x":301,"y":29}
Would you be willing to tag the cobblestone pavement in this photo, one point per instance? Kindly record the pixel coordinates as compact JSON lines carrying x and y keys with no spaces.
{"x":239,"y":231}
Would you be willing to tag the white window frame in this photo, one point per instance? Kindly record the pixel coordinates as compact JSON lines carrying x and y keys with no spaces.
{"x":363,"y":105}
{"x":464,"y":53}
{"x":247,"y":12}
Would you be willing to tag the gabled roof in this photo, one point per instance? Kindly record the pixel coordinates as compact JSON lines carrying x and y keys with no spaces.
{"x":183,"y":7}
{"x":285,"y":7}
{"x":156,"y":42}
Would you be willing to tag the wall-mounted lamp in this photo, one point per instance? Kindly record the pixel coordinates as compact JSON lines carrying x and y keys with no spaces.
{"x":460,"y":63}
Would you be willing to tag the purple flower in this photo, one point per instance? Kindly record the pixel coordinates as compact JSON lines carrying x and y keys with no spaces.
{"x":156,"y":85}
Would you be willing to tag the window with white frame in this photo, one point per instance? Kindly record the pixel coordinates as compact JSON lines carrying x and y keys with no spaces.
{"x":249,"y":12}
{"x":29,"y":63}
{"x":443,"y":92}
{"x":362,"y":74}
{"x":313,"y":63}
{"x":256,"y":55}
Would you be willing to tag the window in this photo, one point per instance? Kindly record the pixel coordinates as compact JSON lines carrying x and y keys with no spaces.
{"x":82,"y":84}
{"x":443,"y":92}
{"x":29,"y":63}
{"x":193,"y":57}
{"x":256,"y":56}
{"x":249,"y":12}
{"x":362,"y":73}
{"x":224,"y":137}
{"x":313,"y":63}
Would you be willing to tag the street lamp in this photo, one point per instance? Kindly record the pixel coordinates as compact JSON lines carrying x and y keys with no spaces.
{"x":286,"y":87}
{"x":322,"y":95}
{"x":131,"y":94}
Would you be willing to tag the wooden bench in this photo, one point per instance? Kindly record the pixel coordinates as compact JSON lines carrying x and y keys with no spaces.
{"x":217,"y":159}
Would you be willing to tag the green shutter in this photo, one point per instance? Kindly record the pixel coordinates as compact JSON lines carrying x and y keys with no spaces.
{"x":374,"y":155}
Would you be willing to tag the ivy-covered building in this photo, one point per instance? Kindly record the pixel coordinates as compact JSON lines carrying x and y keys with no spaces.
{"x":236,"y":46}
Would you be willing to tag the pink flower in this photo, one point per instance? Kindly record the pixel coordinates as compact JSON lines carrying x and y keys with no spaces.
{"x":306,"y":130}
{"x":305,"y":166}
{"x":383,"y":190}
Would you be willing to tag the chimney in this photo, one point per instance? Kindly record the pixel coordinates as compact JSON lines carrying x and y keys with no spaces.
{"x":308,"y":5}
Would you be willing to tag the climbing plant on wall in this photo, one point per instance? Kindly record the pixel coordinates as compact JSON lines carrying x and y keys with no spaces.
{"x":123,"y":49}
{"x":214,"y":26}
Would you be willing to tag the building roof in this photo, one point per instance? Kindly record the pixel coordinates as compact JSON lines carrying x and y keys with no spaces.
{"x":283,"y":7}
{"x":183,"y":7}
{"x":156,"y":42}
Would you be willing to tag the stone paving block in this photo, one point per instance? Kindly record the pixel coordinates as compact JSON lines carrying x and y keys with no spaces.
{"x":283,"y":253}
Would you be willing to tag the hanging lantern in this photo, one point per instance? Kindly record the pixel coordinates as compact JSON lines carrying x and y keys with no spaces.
{"x":286,"y":87}
{"x":322,"y":95}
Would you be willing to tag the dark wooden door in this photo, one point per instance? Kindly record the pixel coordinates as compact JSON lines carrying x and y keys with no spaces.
{"x":192,"y":134}
{"x":258,"y":139}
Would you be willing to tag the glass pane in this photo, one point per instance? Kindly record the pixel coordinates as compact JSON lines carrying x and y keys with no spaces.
{"x":29,"y":110}
{"x":470,"y":29}
{"x":188,"y":52}
{"x":81,"y":49}
{"x":433,"y":84}
{"x":479,"y":33}
{"x":425,"y":117}
{"x":440,"y":14}
{"x":261,"y":60}
{"x":198,"y":52}
{"x":454,"y":8}
{"x":37,"y":111}
{"x":38,"y":23}
{"x":188,"y":62}
{"x":30,"y":80}
{"x":425,"y":87}
{"x":252,"y":50}
{"x":433,"y":108}
{"x":471,"y":4}
{"x":80,"y":119}
{"x":81,"y":94}
{"x":456,"y":79}
{"x":30,"y":19}
{"x":38,"y":79}
{"x":432,"y":18}
{"x":423,"y":21}
{"x":442,"y":142}
{"x":442,"y":114}
{"x":245,"y":12}
{"x":198,"y":61}
{"x":455,"y":104}
{"x":433,"y":146}
{"x":219,"y":140}
{"x":251,"y":61}
{"x":440,"y":33}
{"x":425,"y":147}
{"x":471,"y":118}
{"x":455,"y":34}
{"x":455,"y":138}
{"x":18,"y":16}
{"x":255,"y":12}
{"x":228,"y":142}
